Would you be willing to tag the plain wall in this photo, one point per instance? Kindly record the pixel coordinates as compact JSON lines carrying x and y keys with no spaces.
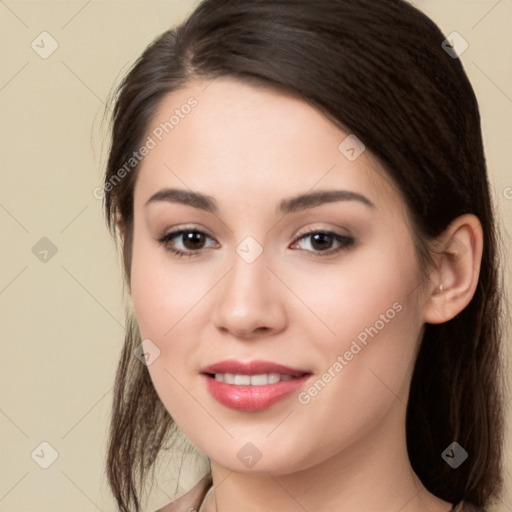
{"x":63,"y":313}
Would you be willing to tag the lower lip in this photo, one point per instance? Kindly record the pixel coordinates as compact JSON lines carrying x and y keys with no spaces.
{"x":252,"y":398}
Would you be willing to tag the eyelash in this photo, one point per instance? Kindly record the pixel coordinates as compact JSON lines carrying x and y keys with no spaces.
{"x":345,"y":242}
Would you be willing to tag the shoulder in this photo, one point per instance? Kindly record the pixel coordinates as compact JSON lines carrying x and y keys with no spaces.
{"x":192,"y":499}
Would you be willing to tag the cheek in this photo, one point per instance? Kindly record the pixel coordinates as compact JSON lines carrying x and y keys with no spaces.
{"x":361,"y":293}
{"x":164,"y":297}
{"x":148,"y":283}
{"x":163,"y":293}
{"x":368,"y":318}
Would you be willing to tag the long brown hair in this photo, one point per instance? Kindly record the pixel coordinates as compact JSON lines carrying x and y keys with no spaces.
{"x":378,"y":69}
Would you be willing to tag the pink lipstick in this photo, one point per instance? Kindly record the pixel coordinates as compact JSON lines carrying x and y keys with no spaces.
{"x":252,"y":386}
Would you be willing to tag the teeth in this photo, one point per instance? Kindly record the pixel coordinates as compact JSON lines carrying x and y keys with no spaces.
{"x":242,"y":380}
{"x":273,"y":378}
{"x":261,"y":380}
{"x":251,"y":380}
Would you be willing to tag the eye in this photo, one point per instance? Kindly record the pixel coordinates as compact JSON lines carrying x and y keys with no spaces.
{"x":185,"y":242}
{"x":324,"y":243}
{"x":188,"y":242}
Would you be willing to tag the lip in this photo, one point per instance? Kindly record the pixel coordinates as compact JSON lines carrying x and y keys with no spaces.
{"x":252,"y":398}
{"x":252,"y":368}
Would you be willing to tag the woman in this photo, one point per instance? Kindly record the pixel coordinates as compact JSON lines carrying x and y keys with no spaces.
{"x":301,"y":197}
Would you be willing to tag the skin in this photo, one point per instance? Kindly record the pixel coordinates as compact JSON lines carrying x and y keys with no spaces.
{"x":249,"y":148}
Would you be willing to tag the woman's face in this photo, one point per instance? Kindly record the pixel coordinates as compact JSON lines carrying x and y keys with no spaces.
{"x":327,"y":286}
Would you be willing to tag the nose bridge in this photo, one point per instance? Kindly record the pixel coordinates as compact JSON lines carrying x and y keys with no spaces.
{"x":248,"y":281}
{"x":248,"y":299}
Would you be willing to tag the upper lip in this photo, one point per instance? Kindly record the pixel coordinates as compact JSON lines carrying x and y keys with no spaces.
{"x":252,"y":368}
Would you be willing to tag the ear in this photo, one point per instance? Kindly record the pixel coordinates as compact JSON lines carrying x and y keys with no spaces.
{"x":458,"y":267}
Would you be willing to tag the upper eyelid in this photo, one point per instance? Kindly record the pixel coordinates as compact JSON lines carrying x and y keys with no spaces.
{"x":185,"y":229}
{"x":329,"y":231}
{"x":201,"y":230}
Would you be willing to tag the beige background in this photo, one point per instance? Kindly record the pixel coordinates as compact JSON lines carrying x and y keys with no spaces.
{"x":62,"y":319}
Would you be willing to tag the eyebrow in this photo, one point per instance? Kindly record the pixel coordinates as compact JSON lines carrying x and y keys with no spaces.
{"x":289,"y":205}
{"x":194,"y":199}
{"x":312,"y":199}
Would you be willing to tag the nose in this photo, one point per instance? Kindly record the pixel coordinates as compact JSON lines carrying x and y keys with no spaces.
{"x":250,"y":301}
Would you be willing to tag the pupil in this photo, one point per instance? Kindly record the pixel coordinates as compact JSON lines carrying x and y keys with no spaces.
{"x":192,"y":240}
{"x":322,"y":241}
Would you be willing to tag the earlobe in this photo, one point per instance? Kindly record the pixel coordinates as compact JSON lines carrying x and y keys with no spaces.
{"x":458,"y":267}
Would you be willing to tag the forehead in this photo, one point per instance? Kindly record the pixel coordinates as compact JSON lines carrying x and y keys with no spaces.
{"x":229,"y":138}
